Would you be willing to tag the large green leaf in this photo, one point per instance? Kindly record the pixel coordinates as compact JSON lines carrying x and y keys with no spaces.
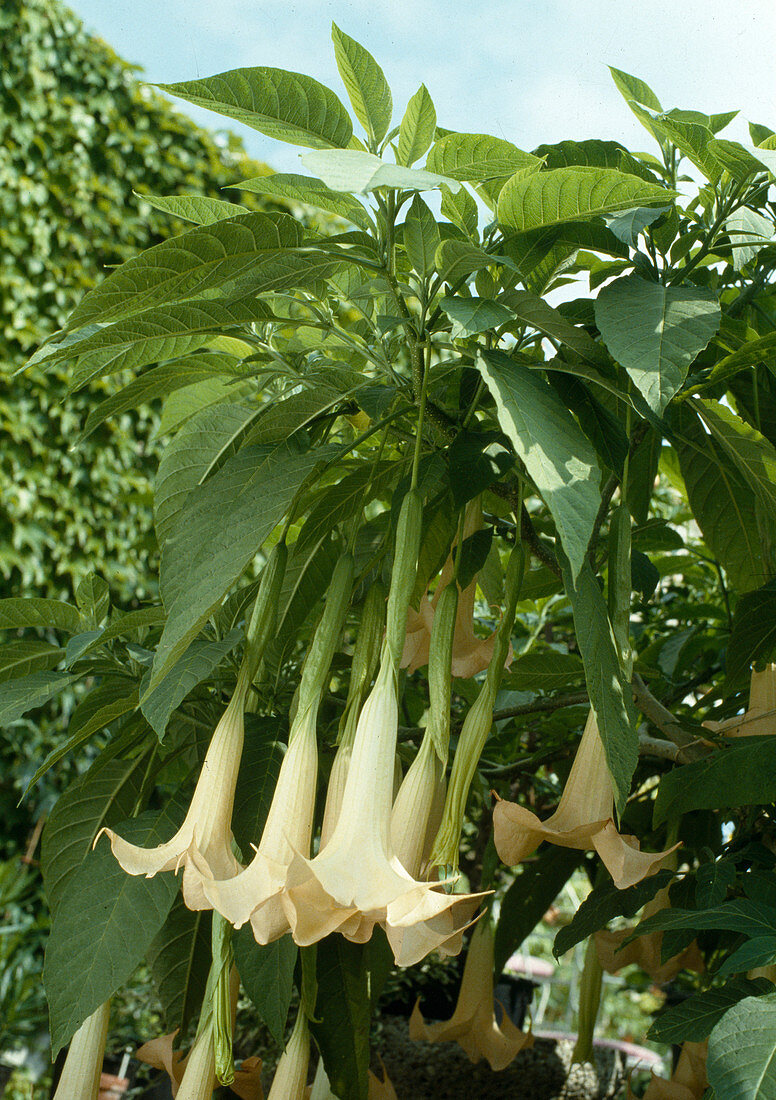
{"x":27,"y":692}
{"x":634,"y":89}
{"x":421,"y":237}
{"x":656,"y":332}
{"x":267,"y":974}
{"x":339,"y":502}
{"x":35,"y":612}
{"x":365,"y":81}
{"x":528,"y":898}
{"x":189,"y":456}
{"x":751,"y":452}
{"x":311,"y":191}
{"x":187,"y":266}
{"x":473,"y":315}
{"x":359,"y":172}
{"x":610,"y":695}
{"x":179,"y":960}
{"x":604,"y":903}
{"x":568,"y":194}
{"x":558,"y":457}
{"x":342,"y":1013}
{"x":105,"y":795}
{"x":202,"y":657}
{"x":199,"y":209}
{"x":741,"y":1062}
{"x":692,"y":139}
{"x":544,"y":672}
{"x":692,"y":1020}
{"x":723,"y":503}
{"x":475,"y":157}
{"x":103,"y":926}
{"x":259,"y":768}
{"x":534,"y":311}
{"x":753,"y":636}
{"x":417,"y":127}
{"x":221,"y":527}
{"x":744,"y":775}
{"x":23,"y":656}
{"x":288,"y":106}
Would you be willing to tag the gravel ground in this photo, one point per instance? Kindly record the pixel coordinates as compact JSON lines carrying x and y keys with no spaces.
{"x":441,"y":1071}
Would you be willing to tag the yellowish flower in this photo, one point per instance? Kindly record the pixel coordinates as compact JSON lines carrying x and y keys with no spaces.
{"x":760,"y":717}
{"x":583,"y":819}
{"x":688,"y":1081}
{"x":381,"y":1090}
{"x":645,"y":951}
{"x":473,"y":1024}
{"x":290,"y":1080}
{"x":80,"y":1079}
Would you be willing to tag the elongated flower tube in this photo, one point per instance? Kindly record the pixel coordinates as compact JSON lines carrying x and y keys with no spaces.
{"x":80,"y":1079}
{"x":254,"y":893}
{"x":473,"y":1024}
{"x":357,"y":881}
{"x":290,"y":1080}
{"x":203,"y":844}
{"x":759,"y":720}
{"x":470,"y":654}
{"x":583,"y":819}
{"x":477,"y":725}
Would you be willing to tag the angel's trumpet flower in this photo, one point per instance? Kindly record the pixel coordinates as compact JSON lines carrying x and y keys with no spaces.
{"x":646,"y":951}
{"x":381,"y":1090}
{"x":290,"y":1080}
{"x":357,"y":881}
{"x":470,"y":653}
{"x":688,"y":1081}
{"x":759,"y":720}
{"x":255,"y":893}
{"x":583,"y":820}
{"x":203,"y":844}
{"x":473,"y":1024}
{"x":80,"y":1079}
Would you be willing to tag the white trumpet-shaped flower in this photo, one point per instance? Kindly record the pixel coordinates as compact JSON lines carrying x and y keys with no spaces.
{"x":583,"y":819}
{"x":357,"y":881}
{"x":203,"y":844}
{"x":80,"y":1079}
{"x":290,"y":1080}
{"x":473,"y":1024}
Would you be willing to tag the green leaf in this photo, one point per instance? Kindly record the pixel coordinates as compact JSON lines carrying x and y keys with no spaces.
{"x":533,"y":891}
{"x":417,"y":128}
{"x":267,"y":974}
{"x":461,"y":209}
{"x":224,"y":522}
{"x":742,"y":775}
{"x":544,"y":672}
{"x":194,"y":208}
{"x":751,"y":452}
{"x":476,"y":157}
{"x":342,"y":1014}
{"x":93,"y":598}
{"x":474,"y":461}
{"x":179,"y":960}
{"x":310,"y":191}
{"x":256,"y":780}
{"x":27,"y":692}
{"x":558,"y":457}
{"x":288,"y":106}
{"x":20,"y":658}
{"x":601,"y":426}
{"x":103,"y":926}
{"x":610,"y":695}
{"x":723,"y":504}
{"x":132,"y":621}
{"x":750,"y":918}
{"x":752,"y":353}
{"x":604,"y":903}
{"x":352,"y":170}
{"x":692,"y":139}
{"x":753,"y":637}
{"x":760,"y":951}
{"x":741,"y":1063}
{"x":33,"y":612}
{"x":365,"y":81}
{"x":627,"y":225}
{"x":339,"y":502}
{"x":752,"y":232}
{"x":421,"y":237}
{"x":632,"y":88}
{"x":693,"y":1019}
{"x":105,"y":795}
{"x":537,"y":313}
{"x":656,"y":332}
{"x":568,"y":194}
{"x":456,"y":259}
{"x":199,"y":661}
{"x":189,"y":457}
{"x":188,"y":266}
{"x":473,"y":315}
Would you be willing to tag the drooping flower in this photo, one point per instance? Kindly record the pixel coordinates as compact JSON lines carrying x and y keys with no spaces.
{"x":583,"y":819}
{"x":645,"y":951}
{"x":381,"y":1090}
{"x":688,"y":1081}
{"x":80,"y":1078}
{"x":759,"y":720}
{"x":290,"y":1080}
{"x":473,"y":1024}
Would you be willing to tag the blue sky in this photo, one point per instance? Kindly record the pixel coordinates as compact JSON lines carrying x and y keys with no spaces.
{"x":531,"y":71}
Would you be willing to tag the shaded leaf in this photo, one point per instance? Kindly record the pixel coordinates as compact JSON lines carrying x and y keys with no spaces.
{"x":692,"y":1020}
{"x":753,"y":637}
{"x":741,"y":1063}
{"x":267,"y":973}
{"x":179,"y":960}
{"x":20,"y":658}
{"x":35,"y":612}
{"x":751,"y":452}
{"x":311,"y":191}
{"x":604,"y":903}
{"x":27,"y":692}
{"x":535,"y":888}
{"x":544,"y":672}
{"x":742,"y":775}
{"x":342,"y":1013}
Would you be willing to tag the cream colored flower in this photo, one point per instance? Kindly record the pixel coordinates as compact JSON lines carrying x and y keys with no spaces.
{"x":381,"y":1090}
{"x":80,"y":1079}
{"x":290,"y":1080}
{"x":645,"y":951}
{"x":473,"y":1024}
{"x":357,"y":881}
{"x":203,"y":844}
{"x":583,"y":819}
{"x":760,"y":717}
{"x":688,"y":1081}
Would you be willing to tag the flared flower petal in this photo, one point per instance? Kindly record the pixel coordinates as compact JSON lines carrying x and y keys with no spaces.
{"x":159,"y":1053}
{"x":688,"y":1081}
{"x":759,"y":720}
{"x":473,"y":1024}
{"x":203,"y":844}
{"x":80,"y":1078}
{"x":381,"y":1090}
{"x":646,"y":951}
{"x":583,"y":820}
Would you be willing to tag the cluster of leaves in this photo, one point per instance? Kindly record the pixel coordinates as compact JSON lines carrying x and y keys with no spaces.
{"x":309,"y":352}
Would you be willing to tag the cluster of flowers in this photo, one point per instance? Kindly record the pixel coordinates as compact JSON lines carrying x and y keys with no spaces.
{"x":379,"y":850}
